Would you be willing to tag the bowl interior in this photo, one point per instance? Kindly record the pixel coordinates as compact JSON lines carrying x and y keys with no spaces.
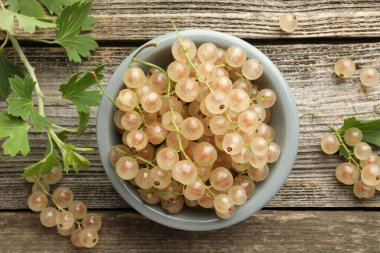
{"x":284,"y":120}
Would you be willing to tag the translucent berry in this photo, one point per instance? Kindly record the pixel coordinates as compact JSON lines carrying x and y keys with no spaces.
{"x":288,"y":22}
{"x":93,"y":221}
{"x":134,"y":77}
{"x":369,"y":76}
{"x":221,"y":179}
{"x":65,"y":220}
{"x":353,"y":136}
{"x":235,"y":56}
{"x":329,"y":144}
{"x":252,"y":69}
{"x":48,"y":217}
{"x":63,"y":196}
{"x":362,"y":151}
{"x":344,"y":68}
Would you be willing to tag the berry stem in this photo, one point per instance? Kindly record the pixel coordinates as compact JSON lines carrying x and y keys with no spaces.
{"x":231,"y":122}
{"x":312,"y":114}
{"x":260,"y":97}
{"x":144,"y":160}
{"x":158,"y":191}
{"x":93,"y":74}
{"x":48,"y":194}
{"x":135,"y":59}
{"x":234,"y":70}
{"x":208,"y":189}
{"x":188,"y":60}
{"x":341,"y":143}
{"x":141,"y":113}
{"x":135,"y":156}
{"x":140,"y":50}
{"x":78,"y":224}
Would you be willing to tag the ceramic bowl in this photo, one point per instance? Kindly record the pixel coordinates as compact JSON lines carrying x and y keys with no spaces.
{"x":284,"y":120}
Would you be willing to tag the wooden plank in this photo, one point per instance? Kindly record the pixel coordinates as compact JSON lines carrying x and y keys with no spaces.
{"x":308,"y":69}
{"x":268,"y":231}
{"x":146,"y":19}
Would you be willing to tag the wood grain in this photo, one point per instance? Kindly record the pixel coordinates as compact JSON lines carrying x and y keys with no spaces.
{"x":268,"y":231}
{"x":308,"y":69}
{"x":146,"y":19}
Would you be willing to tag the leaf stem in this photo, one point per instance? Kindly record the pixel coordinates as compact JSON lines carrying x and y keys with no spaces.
{"x":57,"y":141}
{"x":31,"y":72}
{"x":35,"y":39}
{"x":5,"y":41}
{"x":64,"y":128}
{"x":53,"y":98}
{"x":2,"y":5}
{"x":350,"y":157}
{"x":93,"y":74}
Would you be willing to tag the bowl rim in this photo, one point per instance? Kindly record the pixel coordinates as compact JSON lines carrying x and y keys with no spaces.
{"x":171,"y":220}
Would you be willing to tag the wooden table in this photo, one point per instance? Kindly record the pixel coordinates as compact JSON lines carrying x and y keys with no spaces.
{"x":311,"y":213}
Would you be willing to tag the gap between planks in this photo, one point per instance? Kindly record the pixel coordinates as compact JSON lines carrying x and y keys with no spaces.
{"x":267,"y":231}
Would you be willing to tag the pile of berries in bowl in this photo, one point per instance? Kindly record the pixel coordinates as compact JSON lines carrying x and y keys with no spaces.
{"x":194,"y":131}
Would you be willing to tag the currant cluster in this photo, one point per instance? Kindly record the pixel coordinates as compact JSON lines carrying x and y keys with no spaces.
{"x":345,"y":68}
{"x":363,"y":167}
{"x":68,"y":215}
{"x":197,"y":132}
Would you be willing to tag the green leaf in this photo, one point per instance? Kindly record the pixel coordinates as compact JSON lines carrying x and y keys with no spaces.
{"x":6,"y":20}
{"x":69,"y":25}
{"x":22,"y":104}
{"x":73,"y":159}
{"x":343,"y":152}
{"x":348,"y":123}
{"x":372,"y":137}
{"x":88,"y":24}
{"x":26,"y":7}
{"x":45,"y":165}
{"x":56,"y":6}
{"x":83,"y":121}
{"x":7,"y":70}
{"x":27,"y":23}
{"x":76,"y":91}
{"x":17,"y":131}
{"x":370,"y":129}
{"x":23,"y":88}
{"x":63,"y":135}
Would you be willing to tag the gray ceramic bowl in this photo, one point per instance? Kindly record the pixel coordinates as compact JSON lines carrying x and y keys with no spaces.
{"x":284,"y":120}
